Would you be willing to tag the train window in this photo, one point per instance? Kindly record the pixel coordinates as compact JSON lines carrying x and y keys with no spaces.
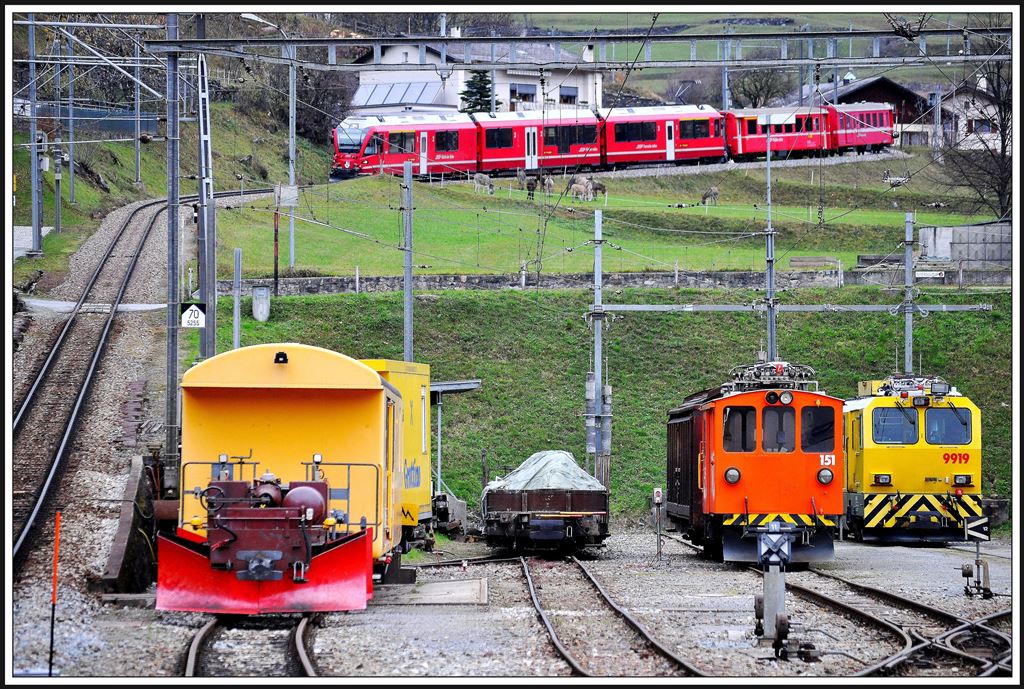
{"x":700,"y":129}
{"x":374,"y":146}
{"x":401,"y":142}
{"x":686,"y":129}
{"x":817,"y":429}
{"x":947,"y":425}
{"x":565,"y":137}
{"x":718,"y":128}
{"x":636,"y":131}
{"x":499,"y":138}
{"x":350,"y":139}
{"x":894,"y":425}
{"x":447,"y":141}
{"x":738,"y":429}
{"x":789,"y":128}
{"x":778,"y":429}
{"x":751,"y":126}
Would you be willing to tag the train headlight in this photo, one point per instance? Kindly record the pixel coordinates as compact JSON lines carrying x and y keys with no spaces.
{"x":940,"y":388}
{"x":921,"y":401}
{"x":732,"y":475}
{"x":883,"y":479}
{"x":771,"y":397}
{"x":825,"y":476}
{"x":786,"y":397}
{"x":962,"y":480}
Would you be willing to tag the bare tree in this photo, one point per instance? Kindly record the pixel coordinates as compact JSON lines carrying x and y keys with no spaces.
{"x":696,"y":86}
{"x":755,"y":88}
{"x":981,"y":159}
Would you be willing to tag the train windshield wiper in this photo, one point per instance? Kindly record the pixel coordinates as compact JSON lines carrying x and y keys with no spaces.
{"x":905,"y":414}
{"x":956,"y":411}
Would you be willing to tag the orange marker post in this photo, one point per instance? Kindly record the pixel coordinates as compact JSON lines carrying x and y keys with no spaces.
{"x":53,"y":597}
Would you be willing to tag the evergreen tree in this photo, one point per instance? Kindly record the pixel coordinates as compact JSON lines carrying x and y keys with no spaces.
{"x":477,"y":94}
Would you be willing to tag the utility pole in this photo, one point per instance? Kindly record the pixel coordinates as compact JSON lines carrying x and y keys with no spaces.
{"x":171,"y":423}
{"x":236,"y":333}
{"x":292,"y":53}
{"x":908,"y":293}
{"x":407,"y":247}
{"x":37,"y":200}
{"x":58,"y":153}
{"x":769,"y":240}
{"x":207,"y":211}
{"x":494,"y":79}
{"x":138,"y":112}
{"x":71,"y":122}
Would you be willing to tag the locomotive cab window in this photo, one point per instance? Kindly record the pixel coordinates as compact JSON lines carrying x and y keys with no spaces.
{"x":447,"y":141}
{"x":499,"y":138}
{"x":751,"y":126}
{"x":778,"y":429}
{"x":947,"y":426}
{"x":894,"y":425}
{"x":350,"y":139}
{"x":817,"y":429}
{"x":738,"y":429}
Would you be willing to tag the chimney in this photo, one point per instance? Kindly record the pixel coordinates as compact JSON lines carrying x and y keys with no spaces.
{"x":588,"y":53}
{"x":456,"y":32}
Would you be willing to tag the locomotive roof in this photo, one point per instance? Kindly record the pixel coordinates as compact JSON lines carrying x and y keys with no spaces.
{"x":364,"y":121}
{"x":306,"y":367}
{"x":549,"y":117}
{"x":753,"y":112}
{"x":863,"y":106}
{"x":627,"y":113}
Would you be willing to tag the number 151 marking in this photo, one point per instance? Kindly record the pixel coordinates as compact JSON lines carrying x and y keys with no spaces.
{"x":827,"y":460}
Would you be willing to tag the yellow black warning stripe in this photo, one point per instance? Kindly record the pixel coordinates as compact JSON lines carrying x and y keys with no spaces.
{"x":762,"y":519}
{"x":884,"y":510}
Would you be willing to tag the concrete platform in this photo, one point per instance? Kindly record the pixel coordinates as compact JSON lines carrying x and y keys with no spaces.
{"x":461,"y":592}
{"x":22,"y":236}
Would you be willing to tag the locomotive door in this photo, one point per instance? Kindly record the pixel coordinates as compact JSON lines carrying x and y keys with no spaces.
{"x":530,"y":162}
{"x":423,"y":153}
{"x":670,"y":140}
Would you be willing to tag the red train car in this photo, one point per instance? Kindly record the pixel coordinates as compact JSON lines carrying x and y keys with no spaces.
{"x":436,"y":144}
{"x":801,"y":131}
{"x":863,"y":127}
{"x":764,"y":447}
{"x":538,"y":139}
{"x":669,"y":133}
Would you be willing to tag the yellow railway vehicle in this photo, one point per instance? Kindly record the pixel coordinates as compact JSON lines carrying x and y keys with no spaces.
{"x":914,"y":460}
{"x":413,"y":382}
{"x":295,"y":474}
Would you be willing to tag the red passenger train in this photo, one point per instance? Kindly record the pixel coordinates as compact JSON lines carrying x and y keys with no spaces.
{"x":601,"y":139}
{"x":762,"y":452}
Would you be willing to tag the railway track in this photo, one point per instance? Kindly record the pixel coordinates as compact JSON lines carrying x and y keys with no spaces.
{"x":241,"y":646}
{"x":596,"y":640}
{"x":930,"y":641}
{"x":47,"y":418}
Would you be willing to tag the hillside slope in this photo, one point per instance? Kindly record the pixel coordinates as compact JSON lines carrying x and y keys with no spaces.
{"x":532,"y":352}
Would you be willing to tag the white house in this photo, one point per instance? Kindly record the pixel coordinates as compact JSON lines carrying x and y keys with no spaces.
{"x":976,"y":119}
{"x":392,"y":92}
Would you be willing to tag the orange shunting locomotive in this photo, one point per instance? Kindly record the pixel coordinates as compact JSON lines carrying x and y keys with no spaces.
{"x":761,"y":452}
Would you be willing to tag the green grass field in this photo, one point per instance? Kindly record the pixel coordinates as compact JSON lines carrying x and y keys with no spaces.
{"x":532,"y":351}
{"x":359,"y":223}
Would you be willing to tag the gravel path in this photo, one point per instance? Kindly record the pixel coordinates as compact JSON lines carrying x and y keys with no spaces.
{"x":502,"y":638}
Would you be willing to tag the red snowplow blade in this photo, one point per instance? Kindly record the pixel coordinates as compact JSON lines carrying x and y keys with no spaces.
{"x":340,"y":578}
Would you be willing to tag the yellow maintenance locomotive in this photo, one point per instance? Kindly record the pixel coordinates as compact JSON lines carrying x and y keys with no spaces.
{"x":913,"y":460}
{"x":304,"y":473}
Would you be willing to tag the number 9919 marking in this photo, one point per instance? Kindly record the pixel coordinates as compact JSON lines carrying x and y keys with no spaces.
{"x":956,"y":457}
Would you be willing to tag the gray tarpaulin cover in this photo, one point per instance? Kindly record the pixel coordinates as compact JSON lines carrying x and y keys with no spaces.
{"x":551,"y":469}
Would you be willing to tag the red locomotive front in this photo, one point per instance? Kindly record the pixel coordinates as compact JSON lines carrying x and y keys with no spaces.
{"x":436,"y":144}
{"x":793,"y":130}
{"x":764,"y":447}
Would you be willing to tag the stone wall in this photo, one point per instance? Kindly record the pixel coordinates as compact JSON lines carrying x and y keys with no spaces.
{"x":698,"y":279}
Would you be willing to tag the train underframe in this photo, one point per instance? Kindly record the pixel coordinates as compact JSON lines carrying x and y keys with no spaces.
{"x":912,"y":517}
{"x":734,"y":537}
{"x":550,"y":532}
